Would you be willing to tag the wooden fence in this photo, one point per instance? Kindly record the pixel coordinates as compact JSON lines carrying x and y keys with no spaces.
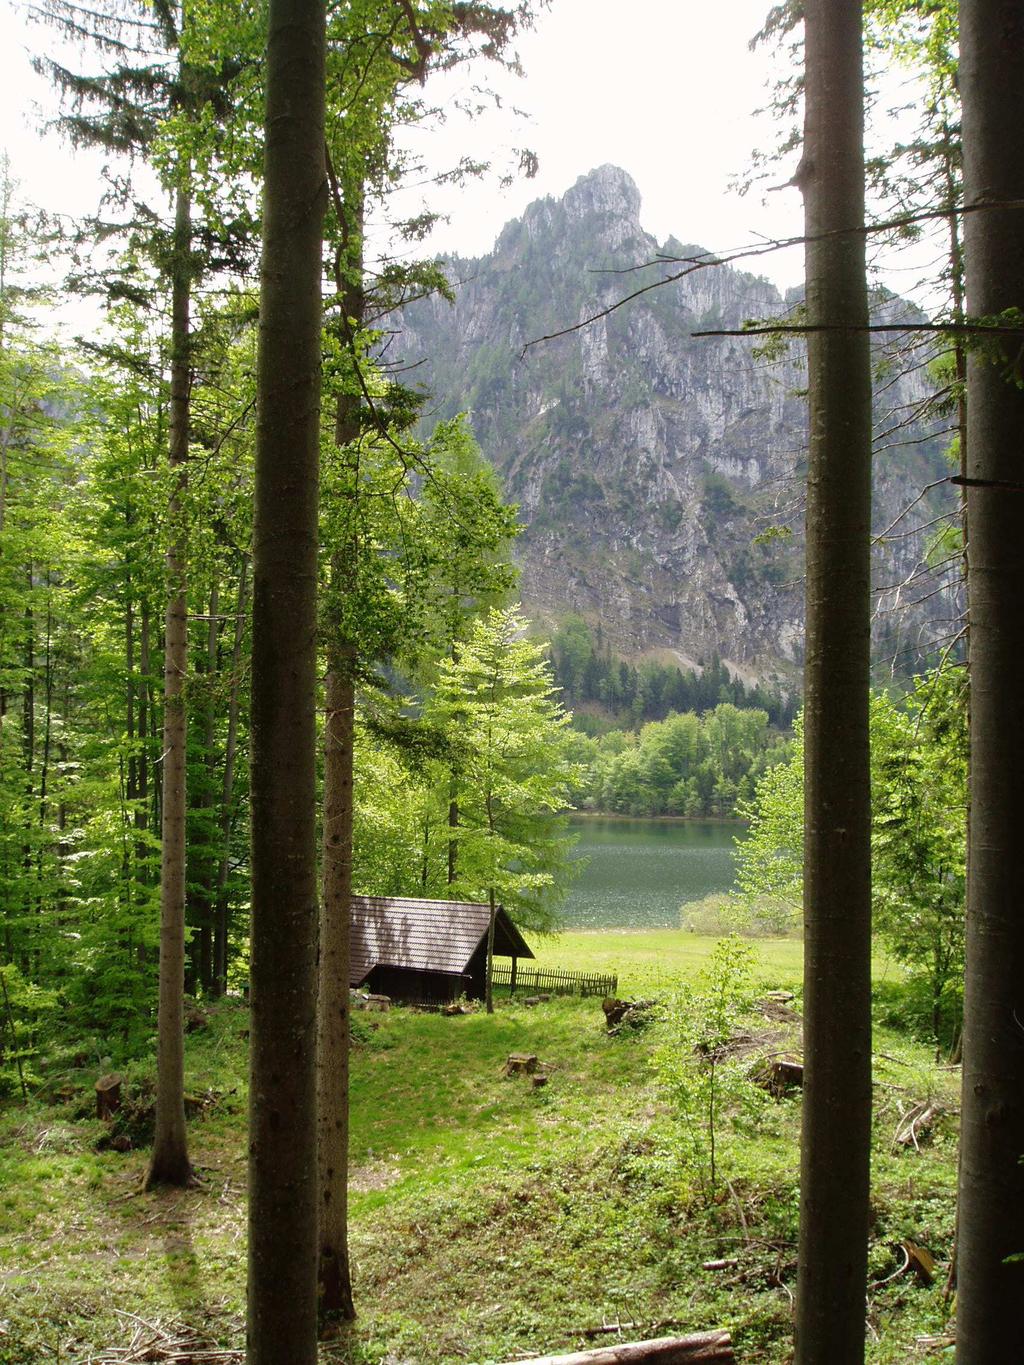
{"x":553,"y":982}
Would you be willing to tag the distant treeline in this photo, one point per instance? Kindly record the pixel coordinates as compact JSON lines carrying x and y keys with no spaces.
{"x":683,"y":765}
{"x":589,"y":674}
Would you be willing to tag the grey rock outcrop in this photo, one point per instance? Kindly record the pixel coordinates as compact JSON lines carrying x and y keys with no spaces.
{"x":659,"y":473}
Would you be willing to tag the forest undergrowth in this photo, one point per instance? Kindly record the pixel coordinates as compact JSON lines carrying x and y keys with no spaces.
{"x":492,"y":1217}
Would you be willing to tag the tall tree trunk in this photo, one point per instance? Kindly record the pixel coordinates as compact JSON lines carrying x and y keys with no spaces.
{"x":335,"y":1279}
{"x":170,"y":1164}
{"x":990,"y":1323}
{"x":207,"y":880}
{"x":837,"y":857}
{"x":333,"y":1034}
{"x":227,"y":802}
{"x":489,"y":967}
{"x":282,"y":1316}
{"x":146,"y":723}
{"x":453,"y":824}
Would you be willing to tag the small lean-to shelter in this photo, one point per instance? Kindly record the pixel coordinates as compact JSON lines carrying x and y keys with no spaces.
{"x":427,"y":952}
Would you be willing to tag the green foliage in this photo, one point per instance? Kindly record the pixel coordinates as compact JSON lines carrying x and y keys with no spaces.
{"x":589,"y":674}
{"x":26,"y":1012}
{"x":710,"y":1091}
{"x":683,"y":765}
{"x":919,"y":795}
{"x":512,"y":769}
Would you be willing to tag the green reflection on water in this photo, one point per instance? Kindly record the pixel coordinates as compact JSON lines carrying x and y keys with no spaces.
{"x":639,"y":872}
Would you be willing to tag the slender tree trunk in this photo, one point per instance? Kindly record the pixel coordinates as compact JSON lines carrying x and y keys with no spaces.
{"x":207,"y":892}
{"x":489,"y":985}
{"x":990,"y":1303}
{"x":132,"y":786}
{"x":227,"y":804}
{"x":170,"y":1164}
{"x":335,"y":1279}
{"x":145,"y":719}
{"x":282,"y":1316}
{"x":453,"y":799}
{"x":333,"y":1034}
{"x":837,"y":858}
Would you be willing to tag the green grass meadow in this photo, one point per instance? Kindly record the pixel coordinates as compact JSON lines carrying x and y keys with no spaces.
{"x":490,"y":1217}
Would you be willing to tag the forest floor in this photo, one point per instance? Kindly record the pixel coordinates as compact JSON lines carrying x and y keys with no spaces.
{"x":490,"y":1218}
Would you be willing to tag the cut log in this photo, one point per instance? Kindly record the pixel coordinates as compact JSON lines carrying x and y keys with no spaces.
{"x":916,"y":1125}
{"x":703,"y":1348}
{"x":539,"y":1081}
{"x":108,"y":1095}
{"x":521,"y":1064}
{"x":779,"y":1075}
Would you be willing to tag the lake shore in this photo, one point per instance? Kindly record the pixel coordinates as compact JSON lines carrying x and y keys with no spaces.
{"x":586,"y":815}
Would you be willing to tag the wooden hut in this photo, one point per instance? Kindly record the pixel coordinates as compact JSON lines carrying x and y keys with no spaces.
{"x":426,"y":952}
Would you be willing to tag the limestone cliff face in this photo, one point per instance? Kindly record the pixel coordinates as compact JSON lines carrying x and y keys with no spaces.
{"x":658,"y":473}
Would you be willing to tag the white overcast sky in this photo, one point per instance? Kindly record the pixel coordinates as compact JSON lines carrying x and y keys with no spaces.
{"x":666,"y":89}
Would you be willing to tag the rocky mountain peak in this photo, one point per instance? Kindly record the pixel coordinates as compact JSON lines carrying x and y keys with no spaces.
{"x":658,"y":474}
{"x":607,"y":191}
{"x":602,"y":207}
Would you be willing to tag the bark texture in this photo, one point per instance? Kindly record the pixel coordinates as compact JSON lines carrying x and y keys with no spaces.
{"x":282,"y":1136}
{"x":170,"y":1164}
{"x":990,"y":1302}
{"x":333,"y":1006}
{"x":335,"y":1282}
{"x":227,"y":804}
{"x":837,"y":867}
{"x":333,"y":1033}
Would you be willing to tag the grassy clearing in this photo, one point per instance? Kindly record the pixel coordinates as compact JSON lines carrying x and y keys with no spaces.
{"x":658,"y":959}
{"x":489,"y":1218}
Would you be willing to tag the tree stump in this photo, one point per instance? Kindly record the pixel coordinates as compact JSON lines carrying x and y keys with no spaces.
{"x":378,"y":1003}
{"x":521,"y":1064}
{"x":108,"y":1095}
{"x":614,"y":1011}
{"x":779,"y":1075}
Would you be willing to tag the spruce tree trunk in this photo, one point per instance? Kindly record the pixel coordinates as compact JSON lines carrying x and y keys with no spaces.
{"x":489,"y":984}
{"x":207,"y":890}
{"x":335,"y":1278}
{"x":282,"y":1317}
{"x":837,"y":856}
{"x":990,"y":1304}
{"x":170,"y":1164}
{"x":227,"y":805}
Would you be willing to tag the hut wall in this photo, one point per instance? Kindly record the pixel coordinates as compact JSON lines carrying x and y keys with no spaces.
{"x":410,"y":987}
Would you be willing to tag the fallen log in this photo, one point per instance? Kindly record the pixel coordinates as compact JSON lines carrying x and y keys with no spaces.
{"x":702,"y":1348}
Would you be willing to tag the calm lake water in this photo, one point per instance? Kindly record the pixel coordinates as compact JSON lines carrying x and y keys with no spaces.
{"x":639,"y":872}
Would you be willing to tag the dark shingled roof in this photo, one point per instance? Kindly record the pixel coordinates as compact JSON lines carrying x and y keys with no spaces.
{"x":424,"y":935}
